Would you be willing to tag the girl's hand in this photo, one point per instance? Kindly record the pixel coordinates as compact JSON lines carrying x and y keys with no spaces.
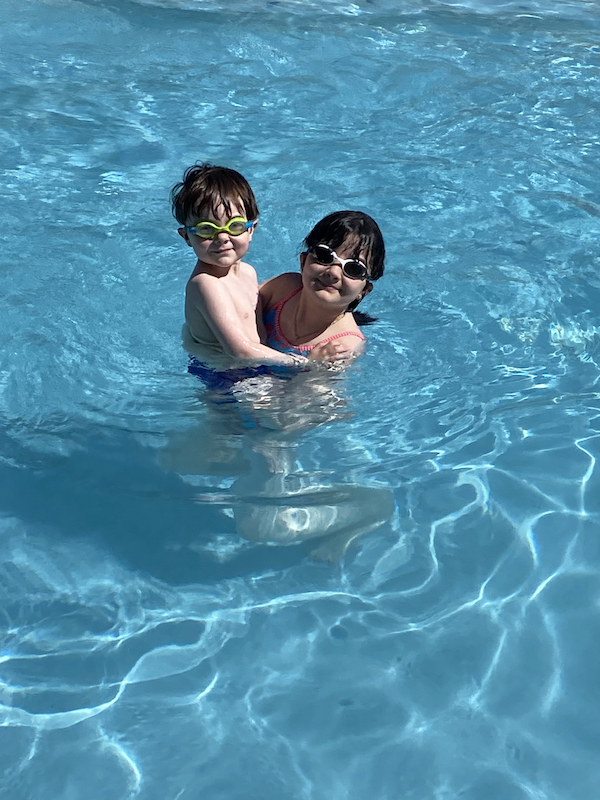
{"x":334,"y":351}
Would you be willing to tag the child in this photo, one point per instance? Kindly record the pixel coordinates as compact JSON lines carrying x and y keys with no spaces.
{"x":217,"y":211}
{"x":343,"y":254}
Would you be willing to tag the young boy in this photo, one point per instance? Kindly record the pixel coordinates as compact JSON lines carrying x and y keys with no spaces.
{"x":217,"y":211}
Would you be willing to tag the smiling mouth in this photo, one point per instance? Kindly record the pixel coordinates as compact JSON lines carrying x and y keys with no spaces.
{"x":328,"y":286}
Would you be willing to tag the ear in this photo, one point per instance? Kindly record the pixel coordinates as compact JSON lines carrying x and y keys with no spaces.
{"x":367,"y":290}
{"x":302,"y":260}
{"x":251,"y":230}
{"x":184,"y":235}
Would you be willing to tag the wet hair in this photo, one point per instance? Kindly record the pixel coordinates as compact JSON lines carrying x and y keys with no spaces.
{"x":364,"y":232}
{"x":205,"y":187}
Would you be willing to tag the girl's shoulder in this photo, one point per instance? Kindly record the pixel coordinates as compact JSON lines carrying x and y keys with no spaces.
{"x":347,"y":324}
{"x":276,"y":289}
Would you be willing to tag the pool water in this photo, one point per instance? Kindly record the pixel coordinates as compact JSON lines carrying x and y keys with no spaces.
{"x":383,"y":584}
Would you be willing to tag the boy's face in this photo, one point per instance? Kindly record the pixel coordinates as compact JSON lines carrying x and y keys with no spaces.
{"x":223,"y":250}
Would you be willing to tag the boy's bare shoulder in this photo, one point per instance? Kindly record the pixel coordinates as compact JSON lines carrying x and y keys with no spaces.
{"x":199,"y":284}
{"x":202,"y":280}
{"x":248,"y":269}
{"x":202,"y":291}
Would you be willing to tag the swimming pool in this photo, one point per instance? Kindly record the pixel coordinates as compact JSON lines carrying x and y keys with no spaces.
{"x":148,"y":649}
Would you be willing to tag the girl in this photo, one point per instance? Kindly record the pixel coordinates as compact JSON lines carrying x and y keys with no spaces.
{"x":343,"y":254}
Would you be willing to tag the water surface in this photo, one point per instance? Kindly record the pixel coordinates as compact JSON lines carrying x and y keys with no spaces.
{"x":148,"y":649}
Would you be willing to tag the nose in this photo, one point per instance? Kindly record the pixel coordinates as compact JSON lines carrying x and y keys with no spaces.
{"x":334,"y":270}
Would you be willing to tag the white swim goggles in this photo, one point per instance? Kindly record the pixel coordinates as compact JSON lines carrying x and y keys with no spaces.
{"x":351,"y":267}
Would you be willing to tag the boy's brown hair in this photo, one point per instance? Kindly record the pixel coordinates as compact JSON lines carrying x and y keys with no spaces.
{"x":205,"y":187}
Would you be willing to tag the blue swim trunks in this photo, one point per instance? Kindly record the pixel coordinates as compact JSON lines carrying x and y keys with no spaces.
{"x":225,"y":380}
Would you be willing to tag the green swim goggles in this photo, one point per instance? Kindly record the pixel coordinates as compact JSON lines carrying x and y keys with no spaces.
{"x":208,"y":230}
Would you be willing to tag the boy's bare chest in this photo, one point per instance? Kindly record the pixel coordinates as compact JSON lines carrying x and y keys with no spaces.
{"x":243,"y":293}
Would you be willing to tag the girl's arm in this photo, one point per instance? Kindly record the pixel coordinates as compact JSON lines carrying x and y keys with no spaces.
{"x":342,"y":350}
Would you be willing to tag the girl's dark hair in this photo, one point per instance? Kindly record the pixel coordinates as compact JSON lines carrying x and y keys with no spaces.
{"x":205,"y":187}
{"x":360,"y":228}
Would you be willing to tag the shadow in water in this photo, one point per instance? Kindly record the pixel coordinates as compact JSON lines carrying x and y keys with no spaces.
{"x":111,"y":491}
{"x":225,"y":498}
{"x":252,"y":434}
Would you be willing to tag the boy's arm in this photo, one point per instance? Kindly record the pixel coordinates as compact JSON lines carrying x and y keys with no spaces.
{"x":216,"y":307}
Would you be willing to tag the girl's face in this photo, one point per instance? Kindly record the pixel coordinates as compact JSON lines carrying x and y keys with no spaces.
{"x":329,"y":283}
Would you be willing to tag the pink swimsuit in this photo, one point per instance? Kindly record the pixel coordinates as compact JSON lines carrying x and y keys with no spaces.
{"x":277,"y":340}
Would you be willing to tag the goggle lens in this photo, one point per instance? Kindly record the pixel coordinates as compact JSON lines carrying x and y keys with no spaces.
{"x":354,"y":269}
{"x":351,"y":268}
{"x":324,"y":255}
{"x":208,"y":230}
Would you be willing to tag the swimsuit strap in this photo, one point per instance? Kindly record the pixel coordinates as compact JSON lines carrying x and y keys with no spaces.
{"x":278,"y":308}
{"x":337,"y":336}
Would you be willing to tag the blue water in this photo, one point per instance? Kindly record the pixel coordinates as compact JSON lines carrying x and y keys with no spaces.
{"x":150,"y":647}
